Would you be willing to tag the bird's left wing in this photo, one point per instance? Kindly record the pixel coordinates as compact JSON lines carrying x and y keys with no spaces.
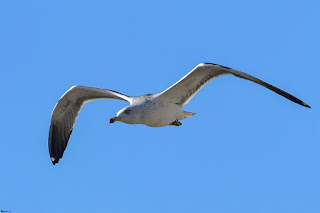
{"x":66,"y":111}
{"x":183,"y":91}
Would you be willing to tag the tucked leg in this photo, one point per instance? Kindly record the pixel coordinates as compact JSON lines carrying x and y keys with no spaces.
{"x":176,"y":123}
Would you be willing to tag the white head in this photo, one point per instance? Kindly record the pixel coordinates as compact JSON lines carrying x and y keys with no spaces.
{"x":128,"y":115}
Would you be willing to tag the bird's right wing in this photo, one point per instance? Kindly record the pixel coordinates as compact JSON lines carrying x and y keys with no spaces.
{"x":66,"y":111}
{"x":185,"y":89}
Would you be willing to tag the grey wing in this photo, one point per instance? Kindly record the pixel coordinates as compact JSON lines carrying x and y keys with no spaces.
{"x":66,"y":111}
{"x":186,"y":88}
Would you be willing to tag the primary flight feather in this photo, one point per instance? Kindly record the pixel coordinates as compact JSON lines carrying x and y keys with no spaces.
{"x":154,"y":110}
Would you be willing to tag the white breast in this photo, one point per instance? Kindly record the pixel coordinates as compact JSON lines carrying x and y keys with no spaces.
{"x":159,"y":114}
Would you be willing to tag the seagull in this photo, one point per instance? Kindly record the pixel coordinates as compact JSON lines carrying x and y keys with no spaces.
{"x":153,"y":110}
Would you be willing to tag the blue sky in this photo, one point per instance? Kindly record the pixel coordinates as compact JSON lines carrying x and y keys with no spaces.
{"x":247,"y":150}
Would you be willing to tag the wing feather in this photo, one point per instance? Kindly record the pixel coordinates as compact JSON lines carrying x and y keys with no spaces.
{"x":66,"y":111}
{"x":186,"y":88}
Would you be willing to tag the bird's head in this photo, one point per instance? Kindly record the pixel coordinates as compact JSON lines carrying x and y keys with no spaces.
{"x":128,"y":115}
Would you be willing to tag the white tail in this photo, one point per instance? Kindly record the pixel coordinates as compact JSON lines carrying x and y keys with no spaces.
{"x":188,"y":114}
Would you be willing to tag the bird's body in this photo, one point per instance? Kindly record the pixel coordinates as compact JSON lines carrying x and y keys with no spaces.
{"x":154,"y":110}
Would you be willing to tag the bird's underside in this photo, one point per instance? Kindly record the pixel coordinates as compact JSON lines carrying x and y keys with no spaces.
{"x":160,"y":109}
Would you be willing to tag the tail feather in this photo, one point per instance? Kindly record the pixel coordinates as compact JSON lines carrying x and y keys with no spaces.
{"x":187,"y":114}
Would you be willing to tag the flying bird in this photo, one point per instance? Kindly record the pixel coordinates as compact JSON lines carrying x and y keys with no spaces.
{"x":154,"y":110}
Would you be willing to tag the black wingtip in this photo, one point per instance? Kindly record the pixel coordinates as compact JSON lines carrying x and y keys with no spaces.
{"x":58,"y":140}
{"x":298,"y":101}
{"x":54,"y":160}
{"x":306,"y":105}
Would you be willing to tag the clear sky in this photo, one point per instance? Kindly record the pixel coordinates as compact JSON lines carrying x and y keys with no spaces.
{"x":248,"y":150}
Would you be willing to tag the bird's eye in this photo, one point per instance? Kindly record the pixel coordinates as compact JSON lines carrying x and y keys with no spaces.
{"x":127,"y":111}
